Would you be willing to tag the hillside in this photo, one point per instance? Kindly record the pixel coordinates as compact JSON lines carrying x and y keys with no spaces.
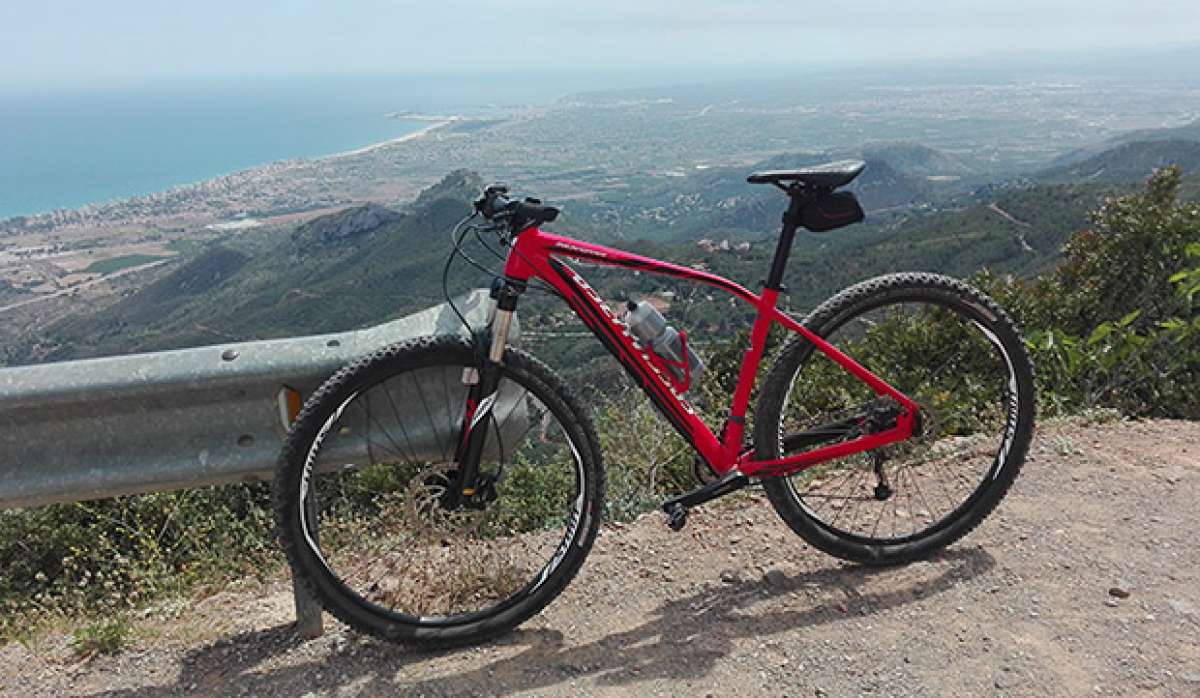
{"x":1129,"y":162}
{"x":356,"y":267}
{"x":917,"y":159}
{"x":928,"y":209}
{"x":365,"y":265}
{"x":194,"y":280}
{"x":684,"y":205}
{"x":1185,"y":132}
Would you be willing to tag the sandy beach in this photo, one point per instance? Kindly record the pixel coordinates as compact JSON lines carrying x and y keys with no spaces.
{"x":419,"y":133}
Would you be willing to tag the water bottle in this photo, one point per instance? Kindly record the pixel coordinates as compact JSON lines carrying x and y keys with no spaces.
{"x":652,"y":330}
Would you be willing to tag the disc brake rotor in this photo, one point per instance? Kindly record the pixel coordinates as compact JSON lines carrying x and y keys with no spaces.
{"x":425,"y":500}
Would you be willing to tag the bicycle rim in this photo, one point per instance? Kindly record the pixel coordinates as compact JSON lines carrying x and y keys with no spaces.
{"x":958,"y":372}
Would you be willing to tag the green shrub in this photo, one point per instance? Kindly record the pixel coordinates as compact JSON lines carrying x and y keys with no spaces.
{"x":103,"y":636}
{"x":1125,"y":262}
{"x":643,"y":456}
{"x":108,"y":555}
{"x":1115,"y":326}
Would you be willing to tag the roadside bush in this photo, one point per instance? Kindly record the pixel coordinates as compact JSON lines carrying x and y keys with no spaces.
{"x":104,"y":636}
{"x":102,"y":557}
{"x":1115,"y":326}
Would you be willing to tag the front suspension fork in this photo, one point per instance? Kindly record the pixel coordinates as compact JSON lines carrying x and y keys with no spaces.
{"x":481,"y":399}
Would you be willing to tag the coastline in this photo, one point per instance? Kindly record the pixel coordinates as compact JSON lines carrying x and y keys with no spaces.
{"x":419,"y":133}
{"x":15,"y":223}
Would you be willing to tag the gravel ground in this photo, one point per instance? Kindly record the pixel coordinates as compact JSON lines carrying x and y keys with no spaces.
{"x":1084,"y":582}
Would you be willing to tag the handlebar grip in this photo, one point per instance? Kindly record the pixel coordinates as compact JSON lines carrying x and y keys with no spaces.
{"x":535,"y":214}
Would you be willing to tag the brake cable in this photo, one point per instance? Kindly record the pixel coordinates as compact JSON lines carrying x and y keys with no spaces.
{"x":458,"y":235}
{"x":456,"y":239}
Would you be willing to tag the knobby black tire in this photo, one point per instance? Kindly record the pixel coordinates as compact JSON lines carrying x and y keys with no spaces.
{"x":425,"y":352}
{"x":832,"y":314}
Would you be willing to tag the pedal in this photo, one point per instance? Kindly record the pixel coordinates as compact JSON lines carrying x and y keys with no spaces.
{"x":677,"y":517}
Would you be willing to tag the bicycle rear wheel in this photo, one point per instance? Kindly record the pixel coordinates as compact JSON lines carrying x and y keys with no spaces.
{"x":949,"y":348}
{"x":362,"y":503}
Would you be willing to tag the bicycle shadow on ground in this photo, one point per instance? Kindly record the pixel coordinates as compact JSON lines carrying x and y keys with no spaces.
{"x":682,"y":640}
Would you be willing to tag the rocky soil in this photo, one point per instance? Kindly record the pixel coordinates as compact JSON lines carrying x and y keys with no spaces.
{"x":1085,"y":582}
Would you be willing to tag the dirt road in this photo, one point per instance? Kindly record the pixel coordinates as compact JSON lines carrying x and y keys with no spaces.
{"x":1085,"y":582}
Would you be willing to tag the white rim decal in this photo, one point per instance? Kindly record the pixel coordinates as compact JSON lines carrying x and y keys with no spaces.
{"x":309,"y":461}
{"x":1010,"y":428}
{"x":576,"y":519}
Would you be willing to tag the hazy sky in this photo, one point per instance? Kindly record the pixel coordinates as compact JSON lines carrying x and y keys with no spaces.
{"x":53,"y":42}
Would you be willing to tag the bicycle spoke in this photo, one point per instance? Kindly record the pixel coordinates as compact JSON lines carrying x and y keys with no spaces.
{"x":371,"y":418}
{"x":432,"y":426}
{"x":399,"y":422}
{"x":855,"y":481}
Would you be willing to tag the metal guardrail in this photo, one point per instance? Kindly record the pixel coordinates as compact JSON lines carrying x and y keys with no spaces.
{"x":161,"y":421}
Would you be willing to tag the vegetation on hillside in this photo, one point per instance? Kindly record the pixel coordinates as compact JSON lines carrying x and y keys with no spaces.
{"x":365,"y":265}
{"x":1116,"y":325}
{"x":1129,"y":161}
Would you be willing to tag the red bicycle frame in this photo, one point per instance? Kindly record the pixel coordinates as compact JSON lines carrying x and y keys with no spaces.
{"x":537,"y":253}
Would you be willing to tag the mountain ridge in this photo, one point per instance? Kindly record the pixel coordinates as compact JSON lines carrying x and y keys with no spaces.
{"x":1128,"y":162}
{"x":1184,"y":132}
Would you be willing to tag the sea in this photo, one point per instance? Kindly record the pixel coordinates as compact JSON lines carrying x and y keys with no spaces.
{"x":64,"y":148}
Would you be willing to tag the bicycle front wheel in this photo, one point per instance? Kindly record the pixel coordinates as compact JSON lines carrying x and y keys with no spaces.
{"x":363,"y":504}
{"x":950,"y":349}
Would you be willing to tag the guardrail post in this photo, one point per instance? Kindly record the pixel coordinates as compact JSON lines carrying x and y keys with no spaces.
{"x":309,"y":621}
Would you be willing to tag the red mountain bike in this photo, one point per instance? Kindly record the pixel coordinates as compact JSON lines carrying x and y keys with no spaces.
{"x":446,"y":489}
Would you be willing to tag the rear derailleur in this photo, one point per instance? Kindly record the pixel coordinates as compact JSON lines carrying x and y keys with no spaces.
{"x":881,"y":417}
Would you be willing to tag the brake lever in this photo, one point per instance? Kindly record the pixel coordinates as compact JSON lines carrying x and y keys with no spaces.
{"x":490,"y":193}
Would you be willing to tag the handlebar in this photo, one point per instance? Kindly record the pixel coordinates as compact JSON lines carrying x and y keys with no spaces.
{"x":520,"y":215}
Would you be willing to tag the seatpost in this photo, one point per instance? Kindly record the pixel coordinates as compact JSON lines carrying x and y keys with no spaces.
{"x":797,"y":199}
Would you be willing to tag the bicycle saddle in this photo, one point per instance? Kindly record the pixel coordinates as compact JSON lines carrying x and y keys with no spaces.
{"x":828,"y":176}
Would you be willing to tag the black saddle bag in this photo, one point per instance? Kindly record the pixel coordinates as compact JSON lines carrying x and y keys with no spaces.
{"x":830,"y":211}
